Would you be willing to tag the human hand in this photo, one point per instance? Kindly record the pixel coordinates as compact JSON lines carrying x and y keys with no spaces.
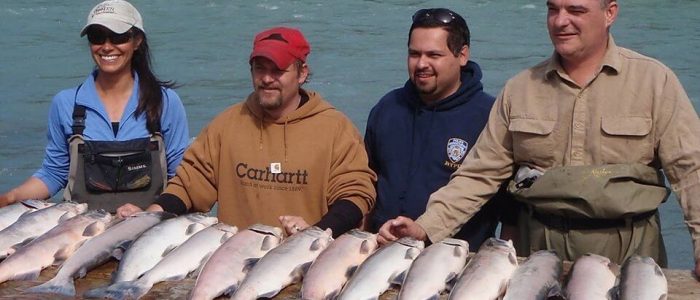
{"x":293,"y":224}
{"x":127,"y":210}
{"x":400,"y":227}
{"x":5,"y":200}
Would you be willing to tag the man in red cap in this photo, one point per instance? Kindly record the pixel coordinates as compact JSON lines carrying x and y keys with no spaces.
{"x":283,"y":155}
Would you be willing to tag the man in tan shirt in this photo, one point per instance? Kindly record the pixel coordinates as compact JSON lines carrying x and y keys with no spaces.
{"x":594,"y":114}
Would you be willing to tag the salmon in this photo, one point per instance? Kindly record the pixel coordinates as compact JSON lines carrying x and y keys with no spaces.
{"x":435,"y":270}
{"x":488,"y":271}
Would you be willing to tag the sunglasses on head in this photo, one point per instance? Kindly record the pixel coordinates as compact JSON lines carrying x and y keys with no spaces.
{"x":97,"y":36}
{"x":442,"y":15}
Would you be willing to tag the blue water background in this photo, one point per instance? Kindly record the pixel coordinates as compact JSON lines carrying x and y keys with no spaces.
{"x":358,"y":54}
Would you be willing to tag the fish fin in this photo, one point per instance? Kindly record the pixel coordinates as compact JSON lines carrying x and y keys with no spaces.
{"x":120,"y":249}
{"x":316,"y":245}
{"x":269,"y":294}
{"x":63,"y":286}
{"x":298,"y":273}
{"x":201,"y":264}
{"x":412,"y":253}
{"x":434,"y":297}
{"x":555,"y":293}
{"x":460,"y":251}
{"x":365,"y":247}
{"x":21,"y":244}
{"x":249,"y":263}
{"x":193,"y":228}
{"x":351,"y":270}
{"x":226,"y":236}
{"x":168,"y":250}
{"x":512,"y":258}
{"x":65,"y":216}
{"x":663,"y":297}
{"x":451,"y":280}
{"x":64,"y":253}
{"x":230,"y":290}
{"x":398,"y":278}
{"x":94,"y":229}
{"x":268,"y":243}
{"x":82,"y":272}
{"x":27,"y":275}
{"x":614,"y":292}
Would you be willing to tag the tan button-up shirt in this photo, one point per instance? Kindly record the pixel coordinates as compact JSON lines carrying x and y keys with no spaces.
{"x":634,"y":111}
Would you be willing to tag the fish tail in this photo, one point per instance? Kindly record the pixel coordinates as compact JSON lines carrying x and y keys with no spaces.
{"x":121,"y":290}
{"x":63,"y":286}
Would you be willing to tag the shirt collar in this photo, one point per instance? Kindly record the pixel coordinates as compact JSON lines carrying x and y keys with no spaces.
{"x":611,"y":60}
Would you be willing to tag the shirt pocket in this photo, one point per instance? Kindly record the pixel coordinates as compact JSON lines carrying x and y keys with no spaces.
{"x":626,"y":139}
{"x":532,"y":140}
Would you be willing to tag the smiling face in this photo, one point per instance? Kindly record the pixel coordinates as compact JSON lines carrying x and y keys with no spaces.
{"x":277,"y":90}
{"x":111,"y":58}
{"x":432,"y":67}
{"x":579,"y":28}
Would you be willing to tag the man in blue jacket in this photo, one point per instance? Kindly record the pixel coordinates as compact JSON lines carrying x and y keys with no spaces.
{"x":418,"y":135}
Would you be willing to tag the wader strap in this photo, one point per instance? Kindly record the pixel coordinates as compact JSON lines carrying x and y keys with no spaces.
{"x":78,"y":115}
{"x":565,"y":224}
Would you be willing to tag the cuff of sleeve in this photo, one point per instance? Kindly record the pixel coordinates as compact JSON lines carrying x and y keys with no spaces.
{"x":171,"y":204}
{"x":342,"y":216}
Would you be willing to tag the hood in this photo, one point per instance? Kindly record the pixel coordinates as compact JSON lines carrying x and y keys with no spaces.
{"x":315,"y":105}
{"x":471,"y":84}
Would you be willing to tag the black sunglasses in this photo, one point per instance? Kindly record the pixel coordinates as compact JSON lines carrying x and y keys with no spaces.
{"x":442,"y":15}
{"x":98,"y":36}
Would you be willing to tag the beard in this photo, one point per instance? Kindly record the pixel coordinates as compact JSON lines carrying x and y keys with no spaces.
{"x":269,"y":102}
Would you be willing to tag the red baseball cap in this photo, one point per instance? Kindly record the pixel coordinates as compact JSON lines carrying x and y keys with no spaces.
{"x":282,"y":45}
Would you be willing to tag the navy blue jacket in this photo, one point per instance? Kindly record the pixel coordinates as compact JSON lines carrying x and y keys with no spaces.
{"x":415,"y":148}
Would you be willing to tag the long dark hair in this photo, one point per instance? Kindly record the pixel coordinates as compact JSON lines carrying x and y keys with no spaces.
{"x":150,"y":95}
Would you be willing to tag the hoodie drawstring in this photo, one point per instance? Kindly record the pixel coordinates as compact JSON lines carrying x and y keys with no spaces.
{"x":286,"y":120}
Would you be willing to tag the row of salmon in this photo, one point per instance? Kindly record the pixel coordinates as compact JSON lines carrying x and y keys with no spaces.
{"x":256,"y":262}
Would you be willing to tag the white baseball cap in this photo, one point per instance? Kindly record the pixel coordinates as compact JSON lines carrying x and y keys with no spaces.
{"x":117,"y":15}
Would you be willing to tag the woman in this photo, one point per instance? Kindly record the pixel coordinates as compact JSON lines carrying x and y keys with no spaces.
{"x":119,"y":135}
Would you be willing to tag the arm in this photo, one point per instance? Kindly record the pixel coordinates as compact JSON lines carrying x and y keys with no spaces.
{"x":175,"y":130}
{"x":486,"y":167}
{"x":194,"y":185}
{"x":679,"y":152}
{"x":351,"y":181}
{"x":33,"y":188}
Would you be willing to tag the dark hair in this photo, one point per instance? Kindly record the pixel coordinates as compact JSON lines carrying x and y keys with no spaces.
{"x":150,"y":93}
{"x":299,"y":64}
{"x":457,"y":30}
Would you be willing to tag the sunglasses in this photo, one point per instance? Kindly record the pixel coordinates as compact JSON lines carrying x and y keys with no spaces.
{"x":442,"y":15}
{"x":98,"y":36}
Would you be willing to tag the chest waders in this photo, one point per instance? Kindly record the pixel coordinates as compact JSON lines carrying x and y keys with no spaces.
{"x":610,"y":210}
{"x":109,"y":174}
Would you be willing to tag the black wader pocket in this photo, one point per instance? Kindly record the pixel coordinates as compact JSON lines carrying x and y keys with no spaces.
{"x":117,"y":166}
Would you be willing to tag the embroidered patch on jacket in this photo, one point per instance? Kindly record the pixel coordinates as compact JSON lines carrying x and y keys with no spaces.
{"x":456,"y":149}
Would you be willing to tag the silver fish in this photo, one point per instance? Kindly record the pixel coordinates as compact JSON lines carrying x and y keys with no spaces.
{"x":177,"y":264}
{"x":30,"y":226}
{"x":387,"y":265}
{"x":98,"y":250}
{"x":488,"y":271}
{"x":229,"y":264}
{"x":54,"y":246}
{"x":154,"y":244}
{"x":592,"y":277}
{"x":284,"y":265}
{"x":537,"y":278}
{"x":336,"y":264}
{"x":642,"y":279}
{"x":434,"y":270}
{"x":9,"y":214}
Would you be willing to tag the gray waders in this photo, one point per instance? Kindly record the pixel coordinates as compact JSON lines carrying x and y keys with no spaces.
{"x":610,"y":210}
{"x":109,"y":174}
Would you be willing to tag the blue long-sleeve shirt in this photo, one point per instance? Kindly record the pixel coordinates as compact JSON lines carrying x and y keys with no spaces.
{"x":415,"y":148}
{"x":98,"y":126}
